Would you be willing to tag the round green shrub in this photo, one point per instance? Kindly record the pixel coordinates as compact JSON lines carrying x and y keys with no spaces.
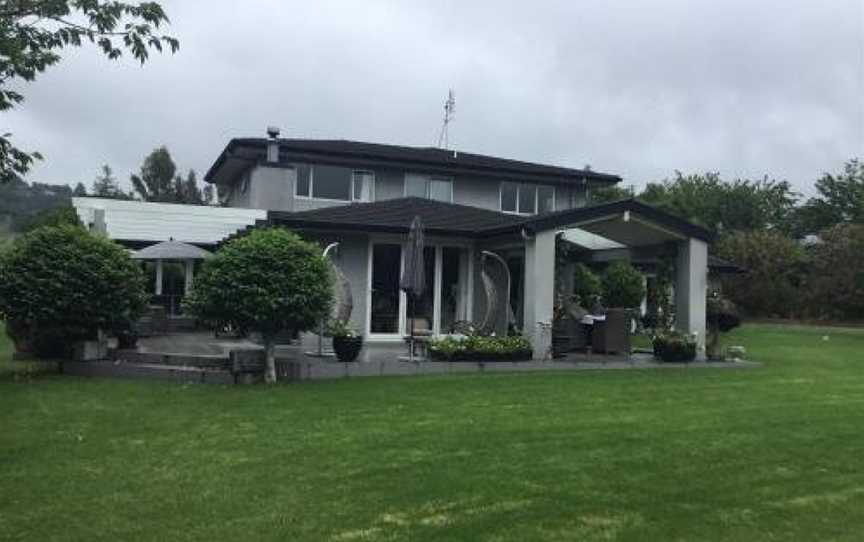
{"x":59,"y":284}
{"x":269,"y":281}
{"x":623,"y":286}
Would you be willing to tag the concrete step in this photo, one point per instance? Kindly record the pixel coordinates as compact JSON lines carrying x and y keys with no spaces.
{"x":164,"y":358}
{"x":148,"y":371}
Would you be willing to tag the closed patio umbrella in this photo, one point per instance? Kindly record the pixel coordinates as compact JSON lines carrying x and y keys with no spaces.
{"x":413,"y":280}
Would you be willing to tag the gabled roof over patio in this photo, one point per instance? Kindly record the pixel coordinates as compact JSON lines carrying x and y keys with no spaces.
{"x":626,"y":222}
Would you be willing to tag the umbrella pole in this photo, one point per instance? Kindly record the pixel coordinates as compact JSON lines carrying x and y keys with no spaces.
{"x":411,"y":339}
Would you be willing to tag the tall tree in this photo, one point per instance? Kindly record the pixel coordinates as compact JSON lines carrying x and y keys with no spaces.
{"x":33,"y":32}
{"x":105,"y":185}
{"x":187,"y":190}
{"x":740,"y":205}
{"x":836,"y":281}
{"x":840,"y":200}
{"x":156,"y":180}
{"x":80,"y":190}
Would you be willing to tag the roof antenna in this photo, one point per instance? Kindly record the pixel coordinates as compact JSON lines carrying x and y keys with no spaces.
{"x":449,"y":112}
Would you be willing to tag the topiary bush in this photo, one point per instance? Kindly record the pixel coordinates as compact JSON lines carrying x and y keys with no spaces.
{"x":623,"y":286}
{"x":59,"y":284}
{"x":270,"y":281}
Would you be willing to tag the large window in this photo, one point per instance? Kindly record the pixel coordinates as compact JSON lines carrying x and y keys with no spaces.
{"x":429,"y":187}
{"x":334,"y":183}
{"x":527,"y":199}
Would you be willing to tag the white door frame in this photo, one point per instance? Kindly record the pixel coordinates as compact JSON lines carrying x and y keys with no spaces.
{"x":438,"y":244}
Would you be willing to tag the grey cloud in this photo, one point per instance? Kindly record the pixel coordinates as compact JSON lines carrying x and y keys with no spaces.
{"x":636,"y":88}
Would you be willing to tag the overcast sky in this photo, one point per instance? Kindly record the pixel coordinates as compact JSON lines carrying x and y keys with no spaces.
{"x":638,"y":88}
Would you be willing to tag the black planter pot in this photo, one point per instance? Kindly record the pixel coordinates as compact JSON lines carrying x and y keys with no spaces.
{"x":127,"y":340}
{"x":347,"y":348}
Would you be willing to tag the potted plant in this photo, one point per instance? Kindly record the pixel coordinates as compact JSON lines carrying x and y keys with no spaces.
{"x":346,"y":342}
{"x":673,"y":346}
{"x":721,"y":316}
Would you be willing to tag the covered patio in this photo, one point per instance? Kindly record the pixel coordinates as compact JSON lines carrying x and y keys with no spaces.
{"x":493,"y":270}
{"x":626,"y":230}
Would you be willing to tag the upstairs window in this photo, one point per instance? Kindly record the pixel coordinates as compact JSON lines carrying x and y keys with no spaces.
{"x":527,"y":199}
{"x":545,"y":199}
{"x":429,"y":187}
{"x":334,"y":183}
{"x":304,"y":180}
{"x":331,"y":182}
{"x":363,"y":185}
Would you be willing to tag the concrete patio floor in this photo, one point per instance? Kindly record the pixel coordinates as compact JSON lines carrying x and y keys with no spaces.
{"x":382,"y":359}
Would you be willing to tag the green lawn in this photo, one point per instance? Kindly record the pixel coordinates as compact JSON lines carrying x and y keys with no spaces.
{"x":773,"y":453}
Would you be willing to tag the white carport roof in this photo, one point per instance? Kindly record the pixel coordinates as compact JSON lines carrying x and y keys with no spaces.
{"x":136,"y":221}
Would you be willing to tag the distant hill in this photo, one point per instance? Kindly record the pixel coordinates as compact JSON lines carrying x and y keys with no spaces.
{"x":19,"y":202}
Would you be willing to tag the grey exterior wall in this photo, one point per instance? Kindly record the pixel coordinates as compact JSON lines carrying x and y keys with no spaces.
{"x":272,"y":188}
{"x":351,"y":258}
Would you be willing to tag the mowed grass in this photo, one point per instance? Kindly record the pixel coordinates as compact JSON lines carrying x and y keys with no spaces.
{"x":774,"y":453}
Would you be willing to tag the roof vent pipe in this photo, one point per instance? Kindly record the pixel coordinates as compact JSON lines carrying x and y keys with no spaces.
{"x":273,"y":144}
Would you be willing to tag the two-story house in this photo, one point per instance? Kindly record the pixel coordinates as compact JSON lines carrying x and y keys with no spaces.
{"x":490,"y":223}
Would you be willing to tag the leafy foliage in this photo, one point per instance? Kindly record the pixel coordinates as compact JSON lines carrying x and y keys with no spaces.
{"x":60,"y":284}
{"x":33,"y":32}
{"x":481,"y":348}
{"x":610,"y":193}
{"x":623,"y":286}
{"x":836,"y":278}
{"x":59,"y":216}
{"x":775,"y":270}
{"x":269,"y":281}
{"x":840,"y":200}
{"x":586,"y":285}
{"x":22,"y":201}
{"x":740,"y":205}
{"x":673,"y":346}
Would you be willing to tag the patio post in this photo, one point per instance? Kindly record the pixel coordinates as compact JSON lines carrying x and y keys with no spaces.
{"x":691,"y":288}
{"x":539,"y":291}
{"x":190,"y":271}
{"x":158,"y":288}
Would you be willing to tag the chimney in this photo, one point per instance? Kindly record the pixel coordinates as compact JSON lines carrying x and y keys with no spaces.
{"x":273,"y":144}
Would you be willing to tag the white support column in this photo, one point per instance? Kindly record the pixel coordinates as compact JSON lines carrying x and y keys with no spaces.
{"x":158,"y":277}
{"x":691,"y":288}
{"x":539,"y":291}
{"x":190,"y":272}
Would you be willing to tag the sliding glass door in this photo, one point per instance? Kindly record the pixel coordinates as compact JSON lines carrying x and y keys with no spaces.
{"x":444,"y":301}
{"x":385,"y":299}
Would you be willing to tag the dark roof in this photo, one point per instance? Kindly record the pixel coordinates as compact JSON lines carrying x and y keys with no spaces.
{"x":581,"y":214}
{"x":395,"y":215}
{"x":358,"y":154}
{"x":441,"y":218}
